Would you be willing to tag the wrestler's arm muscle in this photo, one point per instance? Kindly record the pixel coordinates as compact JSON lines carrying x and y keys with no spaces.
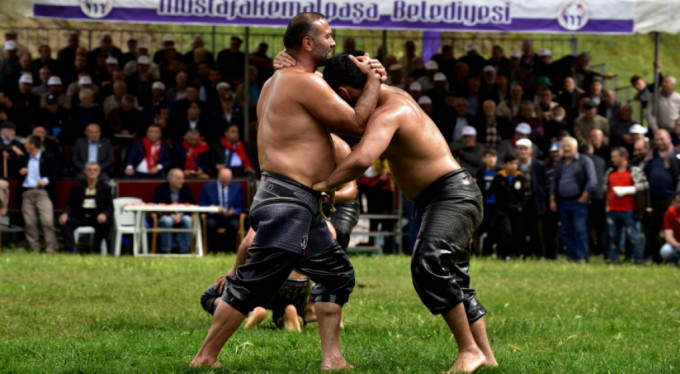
{"x":349,"y":190}
{"x":334,"y":112}
{"x":375,"y":141}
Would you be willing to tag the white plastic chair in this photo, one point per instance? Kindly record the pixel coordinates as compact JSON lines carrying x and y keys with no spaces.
{"x":90,"y":230}
{"x":125,"y":223}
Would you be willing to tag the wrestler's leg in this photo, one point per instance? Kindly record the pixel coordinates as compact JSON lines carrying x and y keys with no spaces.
{"x":470,"y":356}
{"x":226,"y":321}
{"x":478,"y":329}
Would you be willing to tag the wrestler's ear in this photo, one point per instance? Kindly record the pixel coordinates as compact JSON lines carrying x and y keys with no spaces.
{"x":344,"y":93}
{"x":307,"y":43}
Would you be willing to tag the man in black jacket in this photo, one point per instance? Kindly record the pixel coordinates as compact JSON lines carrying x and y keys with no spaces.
{"x":90,"y":204}
{"x":36,"y":194}
{"x":535,"y":198}
{"x":174,"y":191}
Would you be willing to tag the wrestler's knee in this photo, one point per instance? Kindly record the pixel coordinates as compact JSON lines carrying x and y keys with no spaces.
{"x":208,"y":299}
{"x":432,"y":257}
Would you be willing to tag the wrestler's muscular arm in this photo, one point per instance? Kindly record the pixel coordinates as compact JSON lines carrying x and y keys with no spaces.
{"x":349,"y":190}
{"x":376,"y":139}
{"x":332,"y":111}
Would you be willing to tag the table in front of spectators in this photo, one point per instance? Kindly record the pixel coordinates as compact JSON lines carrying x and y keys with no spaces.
{"x":140,"y":211}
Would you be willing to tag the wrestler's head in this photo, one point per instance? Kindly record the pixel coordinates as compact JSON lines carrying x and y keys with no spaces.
{"x":309,"y":33}
{"x":344,"y":77}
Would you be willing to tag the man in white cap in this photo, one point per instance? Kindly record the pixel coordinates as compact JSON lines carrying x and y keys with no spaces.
{"x":535,"y":198}
{"x":509,"y":146}
{"x":514,"y":67}
{"x":473,"y":59}
{"x":467,"y":151}
{"x":427,"y":80}
{"x":168,"y":42}
{"x":489,"y":90}
{"x":73,"y":91}
{"x":54,"y":87}
{"x":416,"y":90}
{"x":139,"y":84}
{"x":425,"y":104}
{"x":11,"y":55}
{"x":395,"y":76}
{"x":156,"y":100}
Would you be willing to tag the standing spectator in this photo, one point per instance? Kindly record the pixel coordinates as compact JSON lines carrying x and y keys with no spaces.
{"x":193,"y":121}
{"x":484,"y":178}
{"x":640,"y":151}
{"x":229,"y":152}
{"x":36,"y":194}
{"x":232,"y":62}
{"x":93,"y":149}
{"x":11,"y":148}
{"x":509,"y":146}
{"x":168,"y":42}
{"x":139,"y":84}
{"x":149,"y":157}
{"x":670,"y":251}
{"x":67,"y":55}
{"x":473,"y":59}
{"x":228,"y":197}
{"x":620,"y":127}
{"x":645,"y":91}
{"x":196,"y":43}
{"x":90,"y":204}
{"x":574,"y":181}
{"x":551,"y":218}
{"x":508,"y":186}
{"x":596,"y":139}
{"x":131,"y":54}
{"x":157,"y":99}
{"x":627,"y":199}
{"x":106,"y":47}
{"x":590,"y":120}
{"x":494,"y":129}
{"x":192,"y":155}
{"x":597,"y":227}
{"x":669,"y":107}
{"x":264,"y":64}
{"x":467,"y":151}
{"x":462,"y":120}
{"x":568,"y":97}
{"x":662,"y":168}
{"x":174,"y":191}
{"x":407,"y":59}
{"x":609,"y":107}
{"x":535,"y":198}
{"x":55,"y":119}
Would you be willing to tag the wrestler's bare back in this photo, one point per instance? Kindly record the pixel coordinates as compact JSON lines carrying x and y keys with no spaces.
{"x":290,"y":141}
{"x":417,"y":153}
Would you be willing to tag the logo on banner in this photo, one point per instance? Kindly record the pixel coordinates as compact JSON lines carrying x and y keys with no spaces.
{"x":96,"y":8}
{"x":573,"y":15}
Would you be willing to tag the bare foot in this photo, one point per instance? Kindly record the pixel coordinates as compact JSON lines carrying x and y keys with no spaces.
{"x":336,"y":365}
{"x":291,"y":320}
{"x":468,"y":362}
{"x":490,"y":363}
{"x":255,"y":318}
{"x":200,"y":362}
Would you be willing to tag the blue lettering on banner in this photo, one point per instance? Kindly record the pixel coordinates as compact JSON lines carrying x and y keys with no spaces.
{"x":468,"y":14}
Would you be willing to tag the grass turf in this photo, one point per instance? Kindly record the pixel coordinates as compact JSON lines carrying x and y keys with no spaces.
{"x":92,"y":314}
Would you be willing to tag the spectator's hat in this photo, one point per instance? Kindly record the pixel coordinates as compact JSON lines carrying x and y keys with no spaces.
{"x":590,"y":104}
{"x":111,"y":60}
{"x":26,"y":78}
{"x":523,"y":143}
{"x":543,"y":80}
{"x":222,"y":85}
{"x":544,"y":52}
{"x":84,"y":80}
{"x":469,"y":131}
{"x":523,"y":128}
{"x":51,"y":99}
{"x":158,"y":85}
{"x":143,"y":60}
{"x":555,"y":146}
{"x":637,"y":128}
{"x":439,"y":77}
{"x":431,"y":65}
{"x":424,"y":100}
{"x":10,"y":45}
{"x":489,"y":68}
{"x":8,"y":125}
{"x":54,"y":81}
{"x":415,"y":86}
{"x":142,"y":45}
{"x":470,"y":47}
{"x":395,"y":67}
{"x":516,"y":54}
{"x":167,"y":38}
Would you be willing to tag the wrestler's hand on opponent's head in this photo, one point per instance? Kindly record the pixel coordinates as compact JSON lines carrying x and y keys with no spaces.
{"x":380,"y":69}
{"x":364,"y":65}
{"x":283,"y":60}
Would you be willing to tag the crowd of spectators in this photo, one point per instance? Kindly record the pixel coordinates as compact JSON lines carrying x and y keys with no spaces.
{"x":546,"y":143}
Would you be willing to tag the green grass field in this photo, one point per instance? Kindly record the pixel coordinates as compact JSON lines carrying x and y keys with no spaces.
{"x":92,"y":314}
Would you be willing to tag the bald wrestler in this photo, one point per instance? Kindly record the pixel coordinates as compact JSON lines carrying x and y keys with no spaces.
{"x":296,"y":110}
{"x":443,"y":192}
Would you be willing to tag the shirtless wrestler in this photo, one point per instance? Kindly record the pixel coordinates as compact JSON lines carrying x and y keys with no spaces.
{"x":296,"y":110}
{"x":289,"y":306}
{"x":443,"y":192}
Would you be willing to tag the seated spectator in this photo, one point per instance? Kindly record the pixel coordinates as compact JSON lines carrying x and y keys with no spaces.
{"x":139,"y":84}
{"x":148,"y":157}
{"x":223,"y":90}
{"x":427,"y":80}
{"x":468,"y":152}
{"x":590,"y":120}
{"x":463,"y":119}
{"x":208,"y":90}
{"x":126,"y":119}
{"x":44,"y":74}
{"x":620,"y":126}
{"x":223,"y":118}
{"x":79,"y":68}
{"x":596,"y":139}
{"x":609,"y":107}
{"x":229,"y":152}
{"x":545,"y":105}
{"x":670,"y":251}
{"x":192,"y":155}
{"x":155,"y":100}
{"x":93,"y":149}
{"x":196,"y":43}
{"x":178,"y":91}
{"x":12,"y":149}
{"x":508,"y":185}
{"x":37,"y":193}
{"x":254,"y":89}
{"x":55,"y":119}
{"x":174,"y":191}
{"x":425,"y":104}
{"x":85,"y":113}
{"x":132,"y":67}
{"x":474,"y":97}
{"x":90,"y":204}
{"x":168,"y":43}
{"x":228,"y":196}
{"x":73,"y":91}
{"x":54,"y":87}
{"x":493,"y":129}
{"x":114,"y":100}
{"x":106,"y":47}
{"x":568,"y":97}
{"x":49,"y":144}
{"x":180,"y":107}
{"x":131,"y":54}
{"x":193,"y":121}
{"x":27,"y":105}
{"x":509,"y":108}
{"x":508,"y":146}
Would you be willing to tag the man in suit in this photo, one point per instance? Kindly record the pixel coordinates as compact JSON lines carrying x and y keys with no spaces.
{"x":229,"y":152}
{"x":36,"y":194}
{"x":149,"y":157}
{"x":192,"y":155}
{"x":174,"y":191}
{"x":221,"y":119}
{"x":228,"y":197}
{"x":93,"y":148}
{"x":90,"y":204}
{"x":11,"y":148}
